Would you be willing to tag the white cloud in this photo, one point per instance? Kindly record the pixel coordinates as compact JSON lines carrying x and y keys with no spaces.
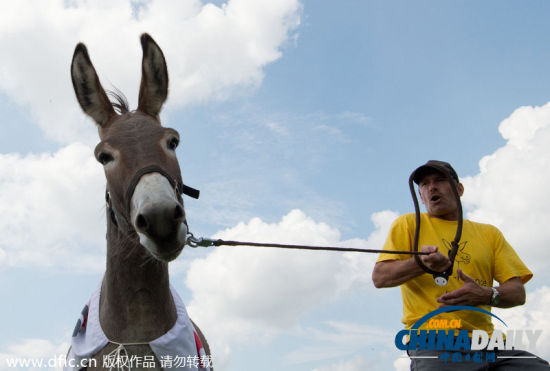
{"x":212,"y":52}
{"x":2,"y":257}
{"x":40,"y":353}
{"x":511,"y":189}
{"x":533,"y":315}
{"x":52,"y":208}
{"x":402,"y":364}
{"x":263,"y":291}
{"x":361,"y":269}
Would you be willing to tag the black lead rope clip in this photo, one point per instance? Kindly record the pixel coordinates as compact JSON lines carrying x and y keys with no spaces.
{"x":440,"y":278}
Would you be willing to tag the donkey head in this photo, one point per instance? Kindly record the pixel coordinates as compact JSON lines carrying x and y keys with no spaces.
{"x":137,"y":153}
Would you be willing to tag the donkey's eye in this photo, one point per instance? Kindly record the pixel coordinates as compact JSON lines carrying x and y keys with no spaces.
{"x":104,"y":158}
{"x":173,"y":143}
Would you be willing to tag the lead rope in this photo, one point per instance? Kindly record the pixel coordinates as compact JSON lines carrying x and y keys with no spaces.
{"x":208,"y":242}
{"x":440,"y":278}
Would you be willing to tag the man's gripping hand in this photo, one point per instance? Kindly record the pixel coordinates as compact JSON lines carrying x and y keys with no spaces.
{"x":436,"y":261}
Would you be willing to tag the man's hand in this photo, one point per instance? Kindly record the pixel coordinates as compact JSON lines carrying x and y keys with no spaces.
{"x":436,"y":261}
{"x":470,"y":293}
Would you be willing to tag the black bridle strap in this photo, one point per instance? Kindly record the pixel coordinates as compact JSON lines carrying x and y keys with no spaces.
{"x":191,"y":192}
{"x":178,"y":186}
{"x":113,"y":213}
{"x":440,"y":278}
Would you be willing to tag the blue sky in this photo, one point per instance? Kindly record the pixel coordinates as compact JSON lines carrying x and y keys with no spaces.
{"x":300,"y":122}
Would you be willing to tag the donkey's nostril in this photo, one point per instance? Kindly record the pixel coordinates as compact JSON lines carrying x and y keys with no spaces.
{"x":178,"y":214}
{"x":141,"y":223}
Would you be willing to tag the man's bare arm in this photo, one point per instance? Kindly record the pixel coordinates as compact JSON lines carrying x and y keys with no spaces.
{"x":391,"y":273}
{"x":511,"y":293}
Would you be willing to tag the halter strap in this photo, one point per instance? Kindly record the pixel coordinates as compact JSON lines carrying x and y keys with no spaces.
{"x":177,"y":185}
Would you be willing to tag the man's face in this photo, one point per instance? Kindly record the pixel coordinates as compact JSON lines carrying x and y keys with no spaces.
{"x":438,"y":197}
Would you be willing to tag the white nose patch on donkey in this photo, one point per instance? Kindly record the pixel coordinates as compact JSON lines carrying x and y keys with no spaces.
{"x":154,"y":190}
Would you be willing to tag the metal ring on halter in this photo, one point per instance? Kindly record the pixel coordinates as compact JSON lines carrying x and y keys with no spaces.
{"x":440,"y":278}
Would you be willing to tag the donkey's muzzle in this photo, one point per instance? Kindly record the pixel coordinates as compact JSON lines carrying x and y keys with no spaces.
{"x":162,"y":229}
{"x":160,"y":221}
{"x":158,"y":217}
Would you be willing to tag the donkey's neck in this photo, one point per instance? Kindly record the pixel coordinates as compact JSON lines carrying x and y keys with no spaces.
{"x":136,"y":304}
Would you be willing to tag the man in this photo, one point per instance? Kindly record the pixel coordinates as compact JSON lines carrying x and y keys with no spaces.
{"x":483,"y":256}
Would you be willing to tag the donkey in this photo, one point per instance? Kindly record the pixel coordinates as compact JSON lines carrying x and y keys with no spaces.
{"x":135,"y":314}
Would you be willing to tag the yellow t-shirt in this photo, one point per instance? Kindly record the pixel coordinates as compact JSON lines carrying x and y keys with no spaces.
{"x":483,"y":254}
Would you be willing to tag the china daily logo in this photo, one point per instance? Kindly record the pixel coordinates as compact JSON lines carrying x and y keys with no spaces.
{"x":441,"y":336}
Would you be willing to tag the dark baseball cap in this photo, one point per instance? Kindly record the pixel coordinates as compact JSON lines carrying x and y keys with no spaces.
{"x":439,"y":166}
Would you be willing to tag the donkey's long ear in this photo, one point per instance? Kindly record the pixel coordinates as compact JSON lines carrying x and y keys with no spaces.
{"x":88,"y":89}
{"x":154,"y":77}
